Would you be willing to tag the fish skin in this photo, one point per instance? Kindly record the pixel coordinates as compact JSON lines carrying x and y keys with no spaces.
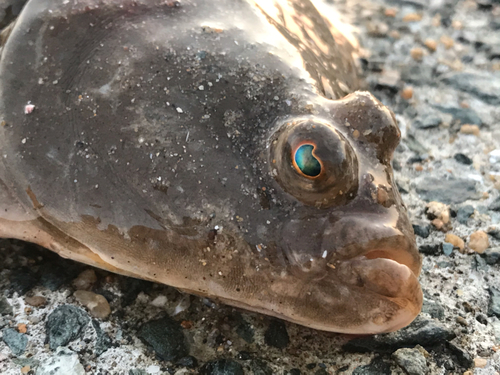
{"x":159,"y":147}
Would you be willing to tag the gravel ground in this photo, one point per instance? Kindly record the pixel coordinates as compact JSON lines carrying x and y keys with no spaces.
{"x":437,"y":65}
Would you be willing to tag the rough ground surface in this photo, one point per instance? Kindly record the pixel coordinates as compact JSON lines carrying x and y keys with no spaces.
{"x":437,"y":65}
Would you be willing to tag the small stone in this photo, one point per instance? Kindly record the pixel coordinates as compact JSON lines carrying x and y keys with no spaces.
{"x":85,"y":280}
{"x":95,"y":303}
{"x":464,"y":213}
{"x":462,"y":159}
{"x":391,"y":12}
{"x":438,"y":210}
{"x":480,"y":362}
{"x":449,"y":190}
{"x":166,"y":337}
{"x":455,"y":241}
{"x":447,"y":249}
{"x":16,"y":341}
{"x":495,"y":205}
{"x":421,"y":229}
{"x":159,"y":301}
{"x":462,"y":321}
{"x":429,"y":249}
{"x":417,"y":53}
{"x":470,"y":129}
{"x":431,"y":44}
{"x":64,"y":362}
{"x":222,"y":367}
{"x":492,"y":256}
{"x":447,"y":41}
{"x":276,"y":334}
{"x":479,"y":242}
{"x":25,"y":369}
{"x":65,"y":324}
{"x":428,"y":122}
{"x":485,"y":86}
{"x":36,"y":301}
{"x":5,"y":307}
{"x":426,"y":332}
{"x":407,"y":93}
{"x":22,"y":328}
{"x":103,"y":341}
{"x":377,"y":29}
{"x":494,"y":304}
{"x":464,"y":115}
{"x":412,"y":17}
{"x":376,"y":367}
{"x":412,"y":361}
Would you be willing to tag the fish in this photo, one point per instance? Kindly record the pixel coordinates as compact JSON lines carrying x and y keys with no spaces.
{"x":224,"y":148}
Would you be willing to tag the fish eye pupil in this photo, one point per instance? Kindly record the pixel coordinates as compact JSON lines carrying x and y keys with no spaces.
{"x":306,"y":162}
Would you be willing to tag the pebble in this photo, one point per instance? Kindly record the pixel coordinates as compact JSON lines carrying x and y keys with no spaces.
{"x":455,"y":241}
{"x":438,"y":210}
{"x":450,"y":190}
{"x":421,"y":229}
{"x":425,"y":332}
{"x":470,"y":129}
{"x":417,"y":53}
{"x":5,"y":307}
{"x":447,"y":41}
{"x":462,"y":159}
{"x":464,"y":213}
{"x":429,"y":121}
{"x":412,"y":17}
{"x":431,"y":44}
{"x":492,"y":256}
{"x":494,"y":304}
{"x":376,"y":367}
{"x":97,"y":305}
{"x":485,"y":86}
{"x":166,"y":337}
{"x":480,"y":362}
{"x":276,"y":334}
{"x":463,"y":115}
{"x":412,"y":361}
{"x":495,"y":205}
{"x":36,"y":301}
{"x":447,"y":249}
{"x":85,"y":280}
{"x":222,"y":367}
{"x":16,"y":341}
{"x":64,"y":362}
{"x":65,"y":324}
{"x":103,"y":341}
{"x":433,"y":308}
{"x":407,"y":93}
{"x":479,"y":242}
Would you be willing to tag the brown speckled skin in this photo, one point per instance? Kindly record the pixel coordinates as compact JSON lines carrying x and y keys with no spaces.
{"x":155,"y":150}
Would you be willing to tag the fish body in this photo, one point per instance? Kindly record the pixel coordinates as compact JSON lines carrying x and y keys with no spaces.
{"x":218,"y":147}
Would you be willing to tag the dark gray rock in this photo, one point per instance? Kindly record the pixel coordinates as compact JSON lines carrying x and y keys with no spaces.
{"x":447,"y":248}
{"x":427,"y":122}
{"x":495,"y":205}
{"x":433,"y":308}
{"x":422,"y":331}
{"x":222,"y":367}
{"x":276,"y":334}
{"x":376,"y":367}
{"x":462,"y":159}
{"x":412,"y":361}
{"x":188,"y":361}
{"x":421,"y":229}
{"x":449,"y":191}
{"x":494,"y":306}
{"x":245,"y":331}
{"x":484,"y":86}
{"x":5,"y":307}
{"x":492,"y":256}
{"x":15,"y":340}
{"x":494,"y":232}
{"x":460,"y":356}
{"x":260,"y":367}
{"x":65,"y":324}
{"x":464,"y":115}
{"x":433,"y":249}
{"x":103,"y":341}
{"x":294,"y":371}
{"x":464,"y":213}
{"x":166,"y":337}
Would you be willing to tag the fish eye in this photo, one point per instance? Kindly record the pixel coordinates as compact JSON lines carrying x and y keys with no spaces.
{"x":314,"y":162}
{"x":305,"y":162}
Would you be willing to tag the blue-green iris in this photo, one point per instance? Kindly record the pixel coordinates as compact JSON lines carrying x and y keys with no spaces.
{"x":306,"y":161}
